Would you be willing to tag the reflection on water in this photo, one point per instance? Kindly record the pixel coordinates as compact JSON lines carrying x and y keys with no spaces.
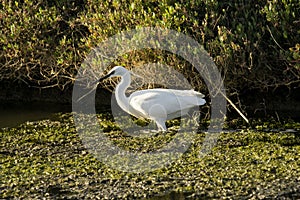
{"x":13,"y":114}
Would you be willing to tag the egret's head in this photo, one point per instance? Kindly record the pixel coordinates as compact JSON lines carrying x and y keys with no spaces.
{"x":116,"y":71}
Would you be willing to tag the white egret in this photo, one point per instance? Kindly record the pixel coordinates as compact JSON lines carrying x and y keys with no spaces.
{"x":158,"y":105}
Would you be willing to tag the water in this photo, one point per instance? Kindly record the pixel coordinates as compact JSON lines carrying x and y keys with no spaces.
{"x":12,"y":114}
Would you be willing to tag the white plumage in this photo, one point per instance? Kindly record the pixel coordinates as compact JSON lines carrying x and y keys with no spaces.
{"x":155,"y":104}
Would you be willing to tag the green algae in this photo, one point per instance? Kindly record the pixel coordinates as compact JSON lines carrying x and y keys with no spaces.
{"x":46,"y":159}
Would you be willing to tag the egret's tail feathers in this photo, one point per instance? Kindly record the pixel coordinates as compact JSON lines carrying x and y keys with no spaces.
{"x":201,"y":101}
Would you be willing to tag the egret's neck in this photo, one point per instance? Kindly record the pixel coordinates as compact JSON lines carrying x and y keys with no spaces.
{"x":122,"y":100}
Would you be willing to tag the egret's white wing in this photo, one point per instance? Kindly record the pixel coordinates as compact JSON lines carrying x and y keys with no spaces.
{"x":174,"y":102}
{"x":184,"y":93}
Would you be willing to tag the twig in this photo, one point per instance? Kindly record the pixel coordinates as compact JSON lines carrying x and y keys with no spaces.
{"x":230,"y":102}
{"x":274,"y":38}
{"x":234,"y":106}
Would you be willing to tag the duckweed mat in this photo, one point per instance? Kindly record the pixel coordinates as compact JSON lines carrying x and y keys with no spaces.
{"x":46,"y":159}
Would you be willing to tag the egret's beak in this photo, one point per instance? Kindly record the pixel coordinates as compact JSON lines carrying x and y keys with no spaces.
{"x":102,"y":78}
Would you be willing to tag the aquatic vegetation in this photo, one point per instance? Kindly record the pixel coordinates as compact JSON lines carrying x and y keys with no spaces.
{"x":47,"y":159}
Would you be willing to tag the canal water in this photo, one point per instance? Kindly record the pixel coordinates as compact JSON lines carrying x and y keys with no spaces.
{"x":12,"y":114}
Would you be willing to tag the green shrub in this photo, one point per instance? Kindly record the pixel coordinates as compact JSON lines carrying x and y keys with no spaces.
{"x":239,"y":35}
{"x":39,"y":44}
{"x":254,"y":44}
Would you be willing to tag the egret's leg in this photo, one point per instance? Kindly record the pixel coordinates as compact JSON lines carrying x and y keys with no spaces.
{"x":158,"y":113}
{"x":161,"y":124}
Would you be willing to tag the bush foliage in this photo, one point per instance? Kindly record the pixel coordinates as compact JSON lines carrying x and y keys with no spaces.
{"x":255,"y":44}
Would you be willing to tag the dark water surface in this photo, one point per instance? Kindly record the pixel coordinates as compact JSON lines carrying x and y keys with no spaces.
{"x":12,"y":114}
